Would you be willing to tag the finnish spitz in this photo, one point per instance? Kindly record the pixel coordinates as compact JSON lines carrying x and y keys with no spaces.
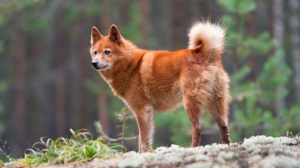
{"x":155,"y":81}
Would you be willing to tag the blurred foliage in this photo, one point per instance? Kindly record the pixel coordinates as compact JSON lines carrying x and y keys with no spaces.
{"x":132,"y":28}
{"x":127,"y":124}
{"x":254,"y":96}
{"x":9,"y":7}
{"x":237,"y":6}
{"x":15,"y":5}
{"x":286,"y":120}
{"x":177,"y":123}
{"x":3,"y":87}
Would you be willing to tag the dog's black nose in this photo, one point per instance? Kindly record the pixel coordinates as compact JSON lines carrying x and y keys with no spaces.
{"x":94,"y":65}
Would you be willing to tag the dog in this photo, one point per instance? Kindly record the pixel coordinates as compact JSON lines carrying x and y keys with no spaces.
{"x":156,"y":81}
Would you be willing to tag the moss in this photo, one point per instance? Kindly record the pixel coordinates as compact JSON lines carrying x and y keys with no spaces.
{"x":256,"y":151}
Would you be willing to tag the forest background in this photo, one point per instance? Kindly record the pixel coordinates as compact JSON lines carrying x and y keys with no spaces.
{"x":47,"y":85}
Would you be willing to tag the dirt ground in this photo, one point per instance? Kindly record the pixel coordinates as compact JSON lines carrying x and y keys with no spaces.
{"x":258,"y":151}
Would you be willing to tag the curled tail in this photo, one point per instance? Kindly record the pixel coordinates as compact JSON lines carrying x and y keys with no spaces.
{"x":210,"y":36}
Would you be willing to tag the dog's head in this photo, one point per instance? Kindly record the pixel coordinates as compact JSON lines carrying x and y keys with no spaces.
{"x":105,"y":50}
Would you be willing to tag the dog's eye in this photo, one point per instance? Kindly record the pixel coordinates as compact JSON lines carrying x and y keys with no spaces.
{"x":95,"y":52}
{"x":106,"y":52}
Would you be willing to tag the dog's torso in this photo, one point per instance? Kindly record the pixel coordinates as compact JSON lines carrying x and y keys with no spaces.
{"x":158,"y":78}
{"x":160,"y":74}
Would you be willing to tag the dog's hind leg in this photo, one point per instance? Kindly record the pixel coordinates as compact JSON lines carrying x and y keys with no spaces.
{"x":193,"y":110}
{"x":146,"y":128}
{"x":219,"y":111}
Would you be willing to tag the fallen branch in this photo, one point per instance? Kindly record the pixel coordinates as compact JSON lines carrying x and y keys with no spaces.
{"x":106,"y":137}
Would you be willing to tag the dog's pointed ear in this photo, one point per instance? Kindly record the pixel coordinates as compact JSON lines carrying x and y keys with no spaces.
{"x":114,"y":34}
{"x":95,"y":35}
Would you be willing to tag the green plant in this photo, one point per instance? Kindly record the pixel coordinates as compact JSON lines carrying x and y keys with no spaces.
{"x":177,"y":123}
{"x":81,"y":147}
{"x":292,"y":135}
{"x":124,"y":116}
{"x":3,"y":87}
{"x":287,"y":119}
{"x":4,"y":156}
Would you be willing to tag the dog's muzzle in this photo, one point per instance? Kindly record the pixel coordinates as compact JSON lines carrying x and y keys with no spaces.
{"x":94,"y":65}
{"x":98,"y":66}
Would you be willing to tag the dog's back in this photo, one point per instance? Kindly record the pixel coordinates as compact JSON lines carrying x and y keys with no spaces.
{"x":197,"y":71}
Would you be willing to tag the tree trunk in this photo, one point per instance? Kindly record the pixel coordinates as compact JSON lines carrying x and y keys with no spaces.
{"x":278,"y":32}
{"x":105,"y":17}
{"x":20,"y":90}
{"x":203,"y":9}
{"x":102,"y":98}
{"x":80,"y":73}
{"x":60,"y":64}
{"x":144,"y":24}
{"x":160,"y":25}
{"x":251,"y":26}
{"x":179,"y":23}
{"x":124,"y":12}
{"x":295,"y":44}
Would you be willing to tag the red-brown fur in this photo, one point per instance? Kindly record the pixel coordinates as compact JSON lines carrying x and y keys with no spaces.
{"x":154,"y":81}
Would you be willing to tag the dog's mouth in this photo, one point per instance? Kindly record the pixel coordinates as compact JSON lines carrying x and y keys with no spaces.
{"x":97,"y":67}
{"x":104,"y":67}
{"x":101,"y":68}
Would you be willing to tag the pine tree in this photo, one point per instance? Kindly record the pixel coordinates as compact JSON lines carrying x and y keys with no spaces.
{"x":255,"y":96}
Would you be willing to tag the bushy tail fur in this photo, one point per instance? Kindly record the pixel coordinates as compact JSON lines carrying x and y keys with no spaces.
{"x":210,"y":36}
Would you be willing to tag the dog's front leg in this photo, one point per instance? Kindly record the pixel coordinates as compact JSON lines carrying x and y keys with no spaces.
{"x":144,"y":118}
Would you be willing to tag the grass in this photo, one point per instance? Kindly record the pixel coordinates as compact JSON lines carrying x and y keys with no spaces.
{"x":81,"y":147}
{"x":290,"y":134}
